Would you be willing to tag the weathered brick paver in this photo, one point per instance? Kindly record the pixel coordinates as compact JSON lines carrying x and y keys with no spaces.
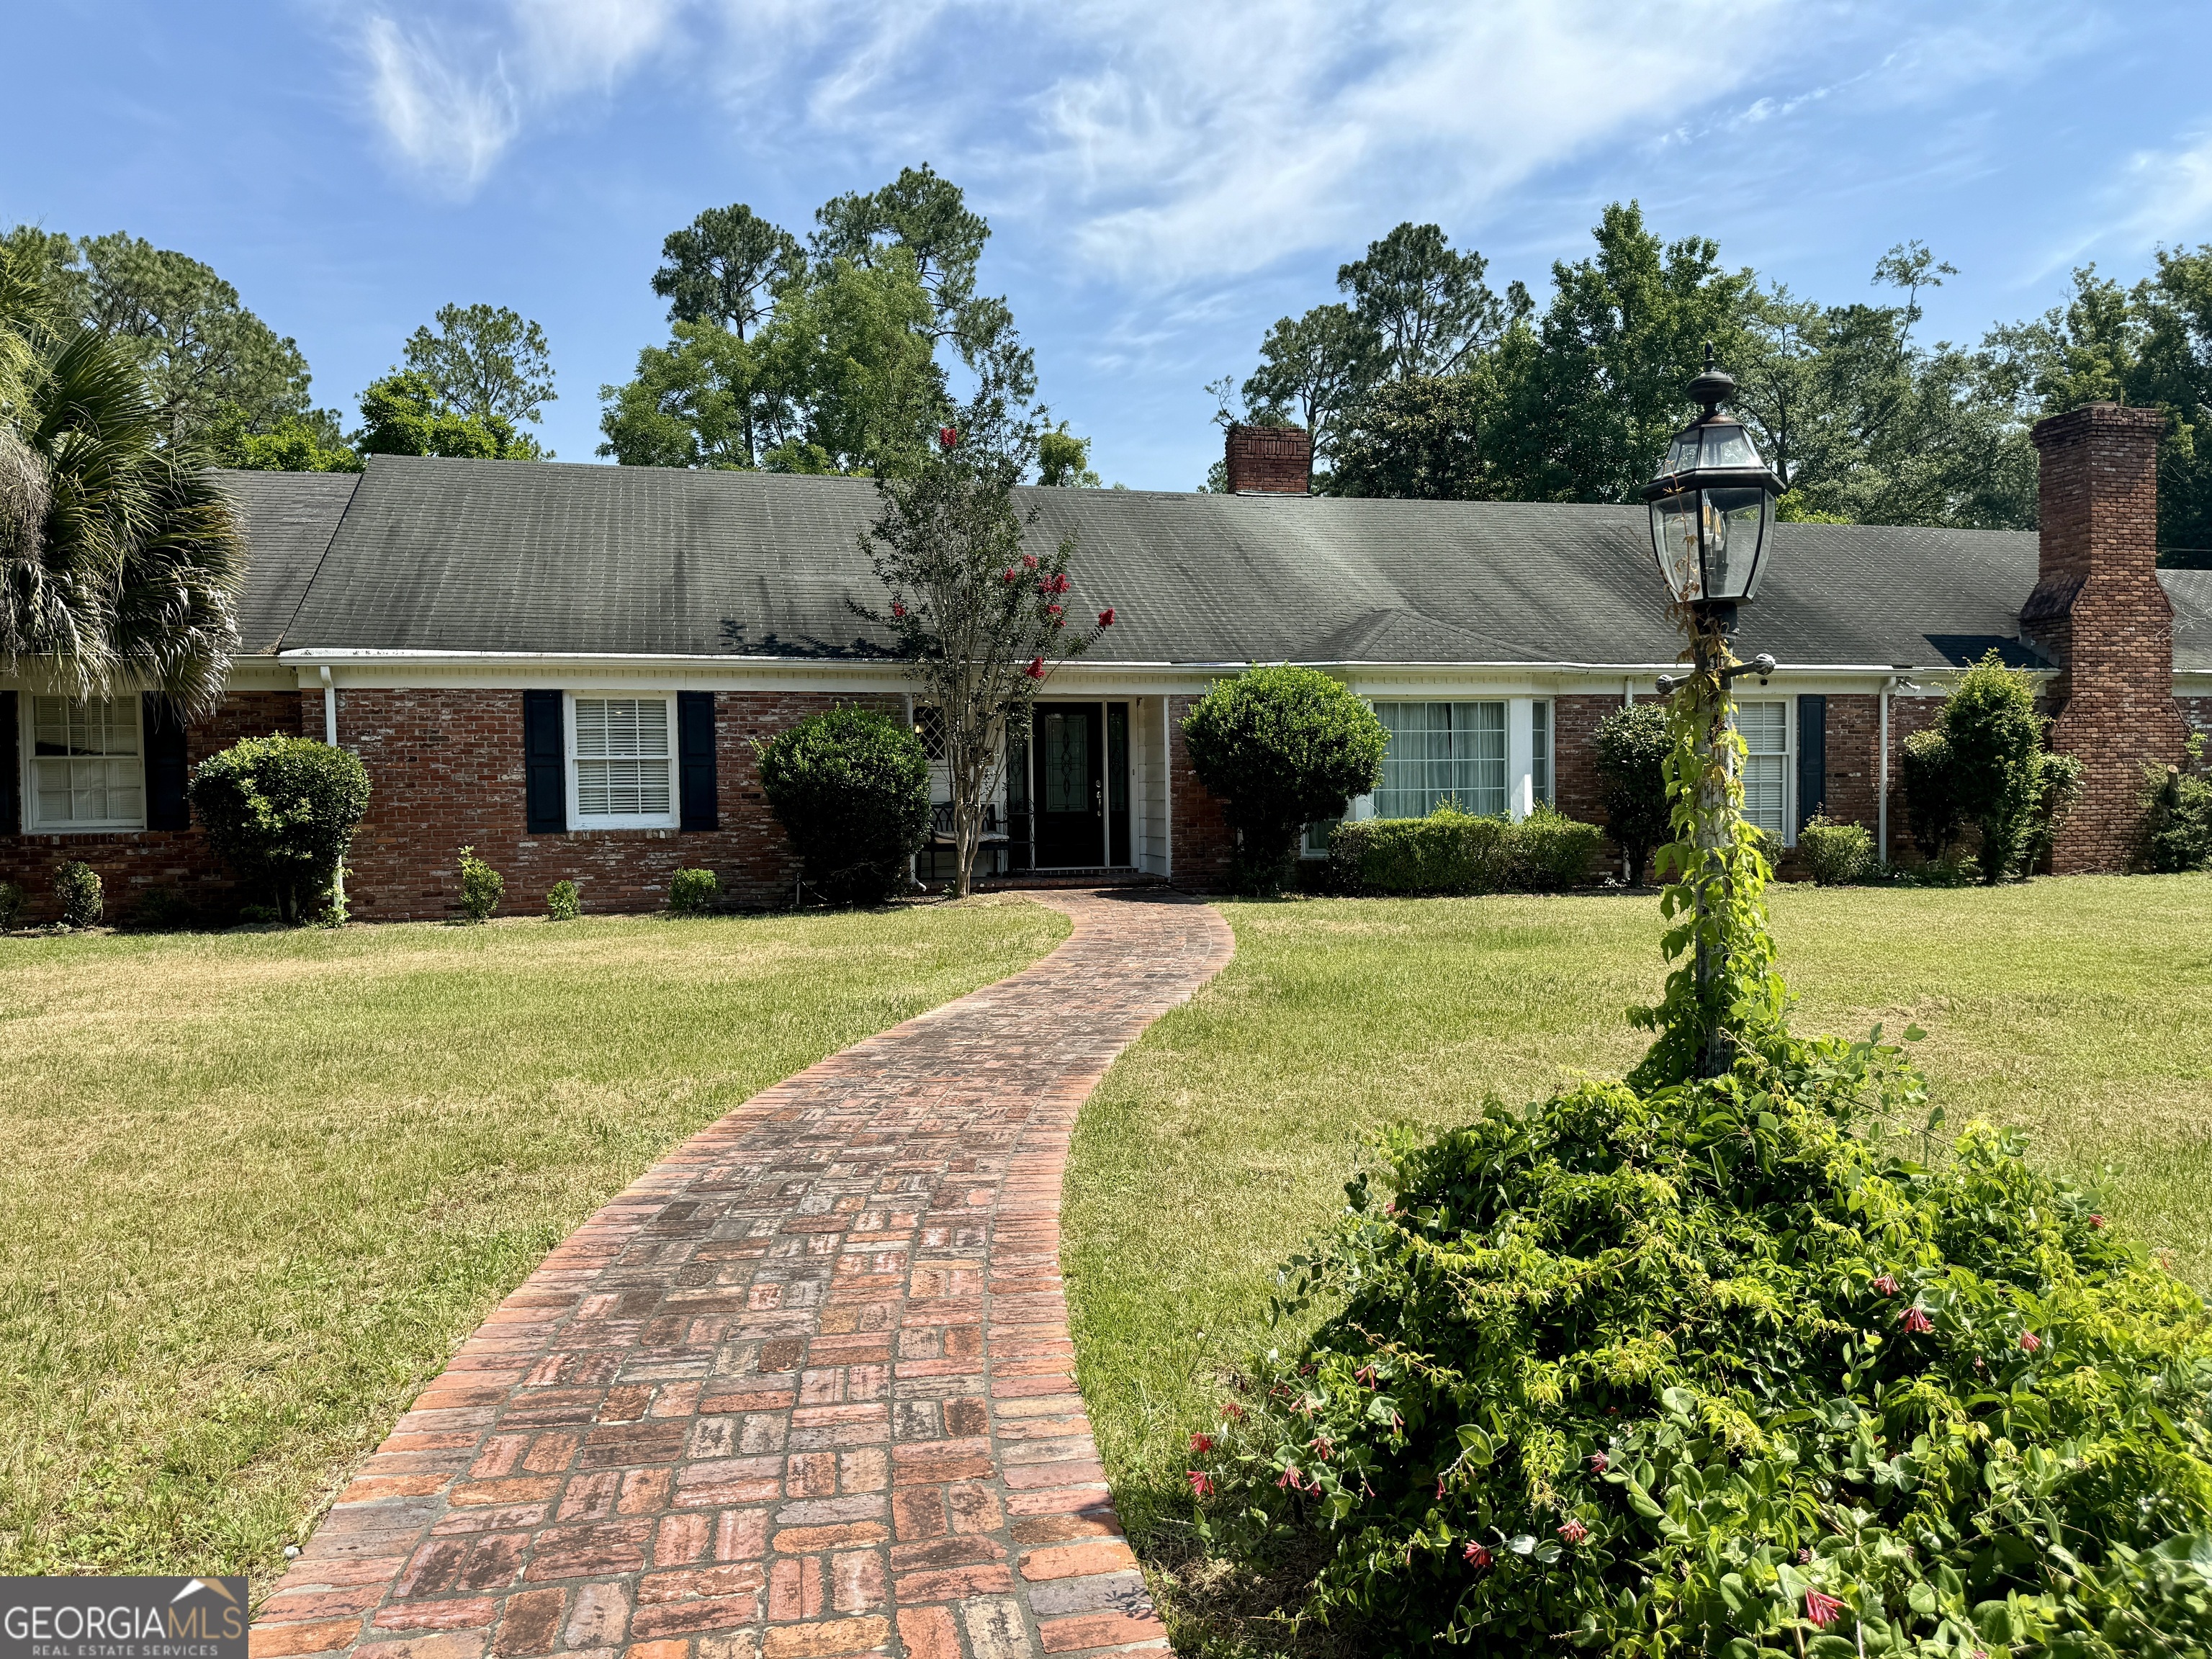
{"x":804,"y":1389}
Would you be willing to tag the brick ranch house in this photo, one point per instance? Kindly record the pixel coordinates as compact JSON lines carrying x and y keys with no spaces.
{"x":565,"y":666}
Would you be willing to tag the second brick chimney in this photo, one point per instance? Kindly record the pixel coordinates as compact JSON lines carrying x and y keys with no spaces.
{"x":1270,"y":460}
{"x":2100,"y":614}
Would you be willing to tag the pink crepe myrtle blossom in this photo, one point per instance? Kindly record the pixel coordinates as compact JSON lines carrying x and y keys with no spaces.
{"x":1201,"y":1483}
{"x":2029,"y":1341}
{"x":1012,"y":575}
{"x":1574,"y":1532}
{"x":1028,"y":561}
{"x":1886,"y":1284}
{"x":1477,"y":1556}
{"x":1201,"y":1443}
{"x":1821,"y":1609}
{"x":897,"y":608}
{"x":946,"y":437}
{"x":1106,"y":617}
{"x":1035,"y":669}
{"x":1917,"y":1323}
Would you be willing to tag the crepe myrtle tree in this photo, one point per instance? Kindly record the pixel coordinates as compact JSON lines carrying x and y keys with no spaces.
{"x":979,"y":620}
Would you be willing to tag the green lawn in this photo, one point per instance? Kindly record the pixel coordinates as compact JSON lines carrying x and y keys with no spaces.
{"x":257,"y":1186}
{"x":2080,"y":1009}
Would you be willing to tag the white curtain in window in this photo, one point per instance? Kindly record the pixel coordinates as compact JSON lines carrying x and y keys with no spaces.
{"x":1765,"y":728}
{"x":621,"y":757}
{"x":85,"y":768}
{"x":1442,"y":751}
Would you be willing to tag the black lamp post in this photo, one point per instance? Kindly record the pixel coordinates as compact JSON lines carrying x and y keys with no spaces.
{"x":1712,"y":514}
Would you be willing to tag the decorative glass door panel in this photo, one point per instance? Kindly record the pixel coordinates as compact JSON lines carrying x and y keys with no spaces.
{"x":1070,"y":796}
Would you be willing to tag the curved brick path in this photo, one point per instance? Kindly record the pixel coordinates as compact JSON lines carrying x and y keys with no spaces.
{"x":804,"y":1389}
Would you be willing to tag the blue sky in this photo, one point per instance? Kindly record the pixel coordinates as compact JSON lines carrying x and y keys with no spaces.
{"x":1163,"y":180}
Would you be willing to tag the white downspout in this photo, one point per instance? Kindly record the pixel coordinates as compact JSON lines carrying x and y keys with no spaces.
{"x":330,"y":737}
{"x":1881,"y":777}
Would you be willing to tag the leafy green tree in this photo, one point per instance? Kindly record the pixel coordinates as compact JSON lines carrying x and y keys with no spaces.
{"x":1311,"y":369}
{"x":297,"y":443}
{"x":1064,"y":460}
{"x":486,"y":362}
{"x":403,"y":414}
{"x":1632,"y":747}
{"x":1427,"y":437}
{"x":724,"y":268}
{"x":850,"y":371}
{"x":696,"y":402}
{"x":978,"y":621}
{"x":1281,"y":747}
{"x":1426,"y":307}
{"x":1991,"y":768}
{"x":119,"y":555}
{"x":925,"y":217}
{"x":201,"y":352}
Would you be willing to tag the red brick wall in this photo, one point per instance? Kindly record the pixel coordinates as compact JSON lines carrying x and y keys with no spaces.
{"x":1202,"y":845}
{"x":446,"y":767}
{"x":2098,"y":608}
{"x":1270,"y":460}
{"x":131,"y":862}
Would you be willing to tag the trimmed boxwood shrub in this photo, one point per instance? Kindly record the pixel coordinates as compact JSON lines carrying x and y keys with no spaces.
{"x":1725,"y":1368}
{"x":851,"y":788}
{"x":82,"y":895}
{"x":693,"y":892}
{"x":1835,"y":855}
{"x":1455,"y":852}
{"x":280,"y":812}
{"x":1281,"y":747}
{"x":563,"y":902}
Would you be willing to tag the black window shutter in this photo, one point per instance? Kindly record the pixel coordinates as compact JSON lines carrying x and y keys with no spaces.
{"x":545,"y":764}
{"x":694,"y":748}
{"x":1812,"y":757}
{"x":11,"y":769}
{"x":167,"y":771}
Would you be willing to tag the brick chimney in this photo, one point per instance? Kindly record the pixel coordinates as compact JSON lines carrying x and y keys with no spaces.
{"x":2100,"y":614}
{"x":1270,"y":460}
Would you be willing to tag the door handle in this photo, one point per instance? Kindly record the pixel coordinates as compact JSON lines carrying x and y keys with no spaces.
{"x":1097,"y":800}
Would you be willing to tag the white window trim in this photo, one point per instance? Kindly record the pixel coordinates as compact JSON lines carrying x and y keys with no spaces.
{"x":27,"y":783}
{"x":1789,"y":835}
{"x":669,"y":820}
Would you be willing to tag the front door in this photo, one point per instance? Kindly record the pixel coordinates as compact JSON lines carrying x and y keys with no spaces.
{"x":1070,"y":798}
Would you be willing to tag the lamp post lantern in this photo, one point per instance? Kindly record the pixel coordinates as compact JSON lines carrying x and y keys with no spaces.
{"x":1712,"y":516}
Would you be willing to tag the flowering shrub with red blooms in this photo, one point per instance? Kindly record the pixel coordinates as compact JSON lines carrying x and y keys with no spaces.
{"x":1035,"y":669}
{"x":1641,"y":1356}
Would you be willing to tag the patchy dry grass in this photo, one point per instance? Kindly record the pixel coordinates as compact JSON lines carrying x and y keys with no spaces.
{"x":257,"y":1186}
{"x":2075,"y":1009}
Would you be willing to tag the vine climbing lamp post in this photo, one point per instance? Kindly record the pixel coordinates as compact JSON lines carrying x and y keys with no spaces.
{"x":1712,"y":517}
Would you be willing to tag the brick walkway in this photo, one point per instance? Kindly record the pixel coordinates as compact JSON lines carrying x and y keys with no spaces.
{"x":804,"y":1389}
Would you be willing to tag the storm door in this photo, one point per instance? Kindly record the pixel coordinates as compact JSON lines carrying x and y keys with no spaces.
{"x":1069,"y":798}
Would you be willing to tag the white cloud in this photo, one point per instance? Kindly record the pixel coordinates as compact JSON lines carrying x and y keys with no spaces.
{"x":453,"y":99}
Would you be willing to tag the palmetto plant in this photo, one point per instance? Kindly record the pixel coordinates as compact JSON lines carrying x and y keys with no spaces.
{"x":118,"y":556}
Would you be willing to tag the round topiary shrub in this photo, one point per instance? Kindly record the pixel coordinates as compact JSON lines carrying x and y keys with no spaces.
{"x":1281,"y":747}
{"x":851,"y":788}
{"x":82,"y":896}
{"x":563,"y":902}
{"x":1724,"y":1369}
{"x":1835,"y":855}
{"x":280,"y":812}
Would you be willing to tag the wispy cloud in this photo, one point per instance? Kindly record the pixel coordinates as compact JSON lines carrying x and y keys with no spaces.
{"x":452,"y":95}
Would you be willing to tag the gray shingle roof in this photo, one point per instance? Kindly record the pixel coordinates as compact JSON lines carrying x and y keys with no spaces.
{"x":290,"y":518}
{"x":510,"y":556}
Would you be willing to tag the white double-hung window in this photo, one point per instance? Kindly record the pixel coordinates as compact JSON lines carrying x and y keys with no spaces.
{"x":621,"y":764}
{"x":1766,"y":729}
{"x":1442,"y":751}
{"x":87,"y":767}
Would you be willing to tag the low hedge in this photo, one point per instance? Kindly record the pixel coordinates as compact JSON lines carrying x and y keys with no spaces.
{"x":1455,"y":852}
